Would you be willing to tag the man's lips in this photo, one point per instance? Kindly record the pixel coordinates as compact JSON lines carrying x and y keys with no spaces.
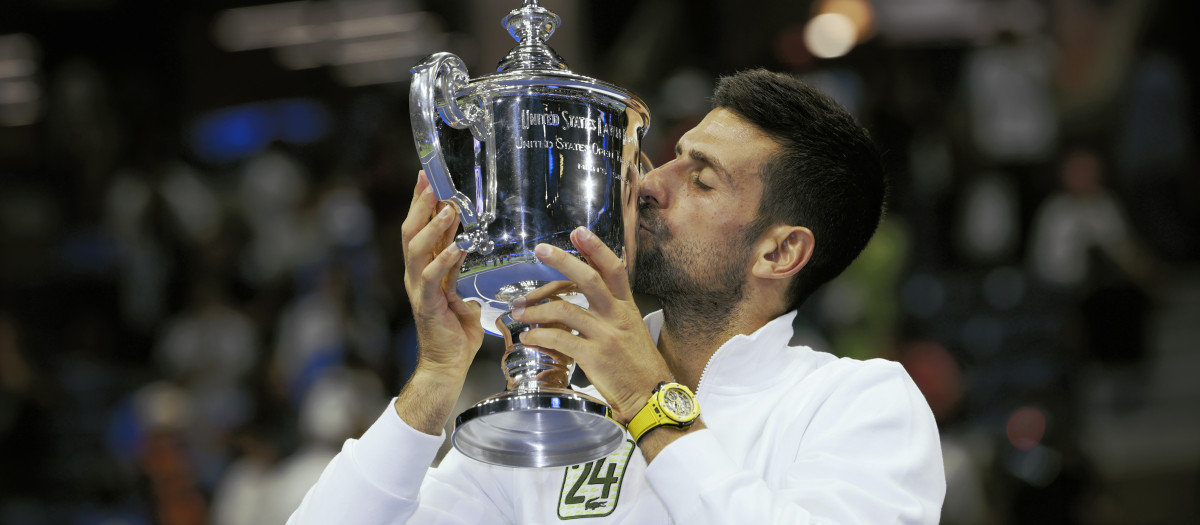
{"x":646,"y":221}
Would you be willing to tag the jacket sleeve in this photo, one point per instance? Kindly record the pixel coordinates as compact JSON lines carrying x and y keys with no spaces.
{"x":384,"y":477}
{"x":870,"y":454}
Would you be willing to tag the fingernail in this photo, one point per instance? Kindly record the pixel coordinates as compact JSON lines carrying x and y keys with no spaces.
{"x":428,"y":190}
{"x":445,"y":212}
{"x":521,"y":336}
{"x":518,"y":307}
{"x":542,"y":251}
{"x":585,"y":234}
{"x":453,"y":249}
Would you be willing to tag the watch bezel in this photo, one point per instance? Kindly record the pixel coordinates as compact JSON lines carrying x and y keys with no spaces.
{"x":655,"y":413}
{"x":681,"y":420}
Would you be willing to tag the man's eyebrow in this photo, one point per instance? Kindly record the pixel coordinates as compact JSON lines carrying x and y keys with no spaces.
{"x":703,"y":158}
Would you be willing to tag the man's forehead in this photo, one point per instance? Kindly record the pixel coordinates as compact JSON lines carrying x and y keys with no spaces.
{"x":723,"y":125}
{"x":725,"y":135}
{"x":728,"y":121}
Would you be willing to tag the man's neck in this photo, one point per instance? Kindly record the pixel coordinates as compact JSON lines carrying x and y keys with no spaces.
{"x":689,"y":338}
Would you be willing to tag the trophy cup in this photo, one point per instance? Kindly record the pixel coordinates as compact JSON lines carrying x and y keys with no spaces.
{"x":525,"y":155}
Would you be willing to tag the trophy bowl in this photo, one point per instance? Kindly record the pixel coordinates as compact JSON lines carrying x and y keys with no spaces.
{"x":526,"y":155}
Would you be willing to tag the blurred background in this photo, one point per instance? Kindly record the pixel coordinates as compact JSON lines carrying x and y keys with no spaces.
{"x":201,"y":284}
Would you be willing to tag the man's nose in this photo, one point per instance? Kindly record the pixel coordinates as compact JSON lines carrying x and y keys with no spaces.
{"x":653,"y":190}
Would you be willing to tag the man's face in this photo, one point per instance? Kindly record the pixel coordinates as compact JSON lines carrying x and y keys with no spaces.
{"x":693,"y":239}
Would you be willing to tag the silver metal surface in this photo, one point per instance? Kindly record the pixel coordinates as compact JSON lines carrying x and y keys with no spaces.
{"x":511,"y":291}
{"x":434,"y":82}
{"x":531,"y":26}
{"x":526,"y":155}
{"x":538,"y":429}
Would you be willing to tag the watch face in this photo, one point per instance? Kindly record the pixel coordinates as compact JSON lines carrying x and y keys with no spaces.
{"x":677,"y":403}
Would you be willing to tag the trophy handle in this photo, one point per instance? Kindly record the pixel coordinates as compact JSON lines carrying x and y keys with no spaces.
{"x":436,"y":81}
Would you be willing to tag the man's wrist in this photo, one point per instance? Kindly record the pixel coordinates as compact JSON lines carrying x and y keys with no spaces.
{"x":428,"y":398}
{"x":632,"y":404}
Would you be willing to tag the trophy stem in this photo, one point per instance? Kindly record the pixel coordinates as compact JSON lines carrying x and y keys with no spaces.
{"x":529,"y":368}
{"x":538,"y":421}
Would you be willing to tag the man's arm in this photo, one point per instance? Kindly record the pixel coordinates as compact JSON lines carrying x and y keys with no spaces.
{"x":376,"y":479}
{"x":658,"y":438}
{"x":448,"y":330}
{"x":871,"y":454}
{"x":384,"y":477}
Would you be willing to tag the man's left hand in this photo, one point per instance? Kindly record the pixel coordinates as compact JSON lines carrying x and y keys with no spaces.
{"x":611,"y":343}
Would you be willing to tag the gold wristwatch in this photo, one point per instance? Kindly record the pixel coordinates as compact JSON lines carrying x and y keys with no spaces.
{"x":671,"y":404}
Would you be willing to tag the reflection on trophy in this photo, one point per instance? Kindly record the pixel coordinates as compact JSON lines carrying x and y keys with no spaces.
{"x":526,"y":155}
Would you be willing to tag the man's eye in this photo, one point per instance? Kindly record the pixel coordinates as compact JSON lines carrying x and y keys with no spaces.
{"x":701,"y":185}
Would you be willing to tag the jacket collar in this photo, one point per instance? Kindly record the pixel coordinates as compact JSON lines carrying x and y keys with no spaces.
{"x":744,"y":363}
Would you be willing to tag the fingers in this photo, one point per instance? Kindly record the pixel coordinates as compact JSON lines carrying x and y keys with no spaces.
{"x":602,"y":281}
{"x":425,"y":242}
{"x":556,"y":313}
{"x":419,"y":211}
{"x":607,"y":263}
{"x":465,"y":310}
{"x":450,"y":281}
{"x":435,"y":272}
{"x":550,"y":290}
{"x":558,"y":340}
{"x":422,"y":184}
{"x":586,"y":280}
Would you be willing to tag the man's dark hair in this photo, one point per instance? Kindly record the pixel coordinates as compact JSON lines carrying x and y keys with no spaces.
{"x":828,"y":175}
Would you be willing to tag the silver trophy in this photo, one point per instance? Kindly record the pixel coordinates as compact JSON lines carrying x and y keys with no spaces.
{"x":526,"y":155}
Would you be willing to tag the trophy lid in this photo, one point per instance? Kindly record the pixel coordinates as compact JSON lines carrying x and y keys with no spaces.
{"x":533,"y":63}
{"x":531,"y":26}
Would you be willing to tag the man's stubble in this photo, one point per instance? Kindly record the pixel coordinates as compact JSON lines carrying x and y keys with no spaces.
{"x":698,"y":283}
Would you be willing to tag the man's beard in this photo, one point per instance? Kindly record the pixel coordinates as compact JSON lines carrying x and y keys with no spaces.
{"x":701,"y":281}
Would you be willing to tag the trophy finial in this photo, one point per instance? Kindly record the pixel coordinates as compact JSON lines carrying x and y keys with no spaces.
{"x":531,"y":26}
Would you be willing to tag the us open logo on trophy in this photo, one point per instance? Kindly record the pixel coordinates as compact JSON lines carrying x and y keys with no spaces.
{"x":525,"y":155}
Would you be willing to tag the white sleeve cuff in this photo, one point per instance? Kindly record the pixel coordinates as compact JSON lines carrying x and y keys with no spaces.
{"x":393,"y":456}
{"x":678,"y":478}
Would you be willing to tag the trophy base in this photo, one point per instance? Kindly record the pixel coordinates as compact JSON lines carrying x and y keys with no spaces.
{"x":536,"y":429}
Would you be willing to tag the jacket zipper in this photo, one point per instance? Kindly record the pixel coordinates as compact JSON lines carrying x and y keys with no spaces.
{"x":704,"y":372}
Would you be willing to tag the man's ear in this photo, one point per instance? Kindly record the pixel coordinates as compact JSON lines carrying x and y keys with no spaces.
{"x":782,"y":251}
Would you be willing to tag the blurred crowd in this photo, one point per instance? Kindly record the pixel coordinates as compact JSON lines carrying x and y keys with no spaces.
{"x":199,"y":347}
{"x":185,"y":341}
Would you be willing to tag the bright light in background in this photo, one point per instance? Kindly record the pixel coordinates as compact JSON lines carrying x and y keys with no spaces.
{"x":858,"y":12}
{"x":838,"y":26}
{"x":20,"y":94}
{"x":364,"y":41}
{"x":830,"y":35}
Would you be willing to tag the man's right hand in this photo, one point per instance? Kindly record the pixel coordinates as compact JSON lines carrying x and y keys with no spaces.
{"x":448,"y":329}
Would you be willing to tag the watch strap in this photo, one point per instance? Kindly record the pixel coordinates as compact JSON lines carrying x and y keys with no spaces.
{"x":646,"y":419}
{"x":651,"y":416}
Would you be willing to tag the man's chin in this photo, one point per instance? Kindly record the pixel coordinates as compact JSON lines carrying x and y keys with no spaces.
{"x":639,"y":284}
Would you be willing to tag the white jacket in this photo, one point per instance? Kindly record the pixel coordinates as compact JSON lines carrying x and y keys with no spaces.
{"x":794,"y":436}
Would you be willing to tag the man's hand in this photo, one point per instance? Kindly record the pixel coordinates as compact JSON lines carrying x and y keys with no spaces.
{"x":613,"y":346}
{"x":448,"y":330}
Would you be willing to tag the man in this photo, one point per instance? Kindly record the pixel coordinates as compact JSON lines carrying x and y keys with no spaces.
{"x":775,"y":192}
